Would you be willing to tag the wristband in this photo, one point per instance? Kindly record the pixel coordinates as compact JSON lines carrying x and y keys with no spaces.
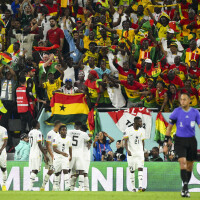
{"x":167,"y":138}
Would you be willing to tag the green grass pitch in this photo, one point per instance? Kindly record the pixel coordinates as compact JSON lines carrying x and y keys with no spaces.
{"x":13,"y":195}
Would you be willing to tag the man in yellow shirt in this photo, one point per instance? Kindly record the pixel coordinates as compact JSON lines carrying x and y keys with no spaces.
{"x":125,"y":34}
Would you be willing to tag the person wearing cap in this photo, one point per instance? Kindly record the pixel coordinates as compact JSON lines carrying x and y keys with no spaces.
{"x":7,"y":95}
{"x":92,"y":88}
{"x":22,"y":150}
{"x":192,"y":92}
{"x":172,"y":53}
{"x":68,"y":88}
{"x":171,"y":38}
{"x":145,"y":70}
{"x":55,"y":35}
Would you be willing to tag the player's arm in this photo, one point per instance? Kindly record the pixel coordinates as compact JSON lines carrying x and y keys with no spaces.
{"x":70,"y":153}
{"x":59,"y":152}
{"x":46,"y":159}
{"x":126,"y":145}
{"x":48,"y":145}
{"x":4,"y":144}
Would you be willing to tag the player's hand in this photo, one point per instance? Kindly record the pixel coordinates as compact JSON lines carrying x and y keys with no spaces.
{"x":70,"y":158}
{"x":65,"y":154}
{"x":129,"y":153}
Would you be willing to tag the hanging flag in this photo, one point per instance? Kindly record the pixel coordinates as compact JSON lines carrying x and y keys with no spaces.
{"x":161,"y":128}
{"x":68,"y":108}
{"x":94,"y":122}
{"x":55,"y":46}
{"x":5,"y":58}
{"x":125,"y":119}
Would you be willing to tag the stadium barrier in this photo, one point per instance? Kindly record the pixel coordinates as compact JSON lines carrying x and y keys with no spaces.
{"x":109,"y":176}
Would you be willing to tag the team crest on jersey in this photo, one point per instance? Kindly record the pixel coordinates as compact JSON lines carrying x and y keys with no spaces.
{"x":49,"y":137}
{"x":192,"y":124}
{"x":54,"y":140}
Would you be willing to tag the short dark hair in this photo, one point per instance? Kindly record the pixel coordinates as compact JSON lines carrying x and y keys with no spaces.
{"x":78,"y":123}
{"x":118,"y":141}
{"x":57,"y":122}
{"x":34,"y":123}
{"x":22,"y":79}
{"x":186,"y":94}
{"x":62,"y":126}
{"x":156,"y":149}
{"x":53,"y":18}
{"x":84,"y":128}
{"x":136,"y":119}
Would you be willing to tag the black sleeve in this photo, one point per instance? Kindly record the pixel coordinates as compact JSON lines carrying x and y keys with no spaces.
{"x":172,"y":121}
{"x":29,"y":89}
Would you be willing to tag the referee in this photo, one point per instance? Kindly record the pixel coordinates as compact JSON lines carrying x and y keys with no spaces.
{"x":185,"y":144}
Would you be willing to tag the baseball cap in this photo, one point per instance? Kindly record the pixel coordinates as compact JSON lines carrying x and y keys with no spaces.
{"x":148,"y":60}
{"x":173,"y":44}
{"x":170,"y":31}
{"x":70,"y":80}
{"x":31,"y":69}
{"x":23,"y":135}
{"x":79,"y":20}
{"x":193,"y":60}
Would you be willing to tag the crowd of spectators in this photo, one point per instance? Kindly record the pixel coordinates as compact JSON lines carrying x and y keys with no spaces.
{"x":119,"y":53}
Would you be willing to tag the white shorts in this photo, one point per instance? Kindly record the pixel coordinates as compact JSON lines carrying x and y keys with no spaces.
{"x":3,"y":159}
{"x":35,"y":163}
{"x":135,"y":162}
{"x":86,"y":166}
{"x":49,"y":165}
{"x":77,"y":163}
{"x":61,"y":163}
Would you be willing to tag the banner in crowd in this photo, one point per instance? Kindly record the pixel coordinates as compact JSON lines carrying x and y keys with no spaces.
{"x":125,"y":119}
{"x":109,"y":176}
{"x":161,"y":128}
{"x":68,"y":108}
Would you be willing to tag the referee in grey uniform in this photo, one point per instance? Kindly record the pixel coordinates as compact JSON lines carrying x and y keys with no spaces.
{"x":185,"y":143}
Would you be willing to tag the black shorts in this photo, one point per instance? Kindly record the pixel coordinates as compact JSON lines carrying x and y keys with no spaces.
{"x":186,"y":147}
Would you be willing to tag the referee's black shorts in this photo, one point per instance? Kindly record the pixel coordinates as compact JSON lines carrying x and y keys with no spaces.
{"x":186,"y":147}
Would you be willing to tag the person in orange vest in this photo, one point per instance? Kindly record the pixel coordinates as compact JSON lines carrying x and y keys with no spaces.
{"x":24,"y":104}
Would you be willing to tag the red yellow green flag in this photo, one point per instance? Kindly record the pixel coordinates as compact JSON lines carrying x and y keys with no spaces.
{"x":5,"y":58}
{"x":94,"y":122}
{"x":161,"y":127}
{"x":68,"y":108}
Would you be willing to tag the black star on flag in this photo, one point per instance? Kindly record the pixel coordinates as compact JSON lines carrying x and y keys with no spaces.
{"x":62,"y":108}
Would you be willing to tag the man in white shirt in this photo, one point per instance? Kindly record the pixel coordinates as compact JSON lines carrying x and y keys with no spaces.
{"x":86,"y":155}
{"x":77,"y":164}
{"x":49,"y":144}
{"x":68,"y":88}
{"x":62,"y":147}
{"x":36,"y":151}
{"x":134,"y":144}
{"x":3,"y":155}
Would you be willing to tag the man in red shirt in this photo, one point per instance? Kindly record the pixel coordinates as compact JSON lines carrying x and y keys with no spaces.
{"x":55,"y":35}
{"x":172,"y":78}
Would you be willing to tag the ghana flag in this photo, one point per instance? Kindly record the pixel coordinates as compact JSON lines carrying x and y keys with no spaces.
{"x":5,"y":58}
{"x":161,"y":127}
{"x":68,"y":108}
